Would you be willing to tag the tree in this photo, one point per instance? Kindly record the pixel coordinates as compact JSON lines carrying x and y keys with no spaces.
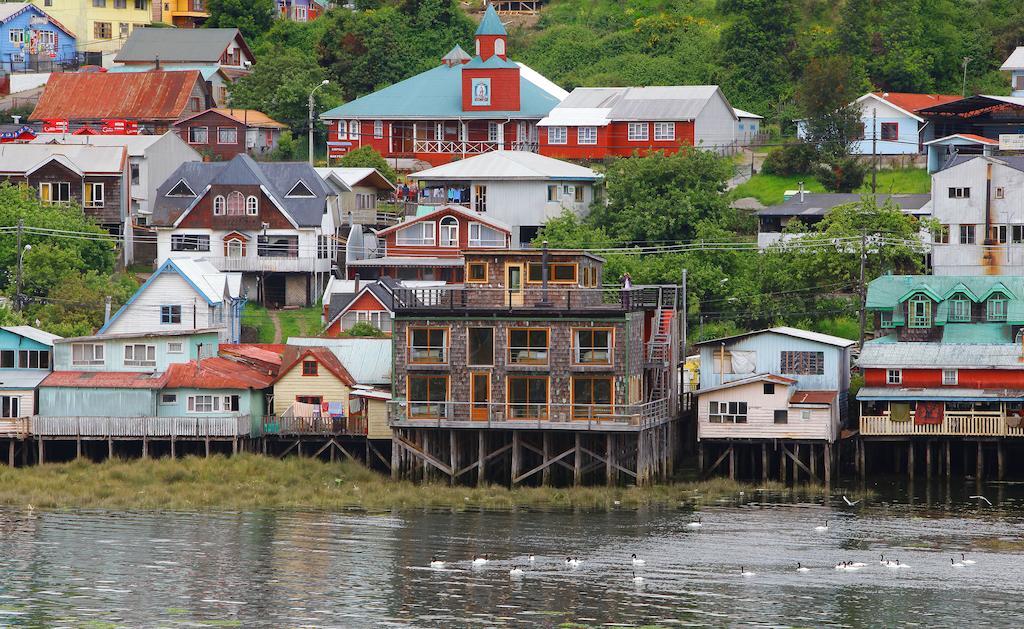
{"x":753,"y":50}
{"x":251,"y":17}
{"x":76,"y":306}
{"x":368,"y":157}
{"x":827,"y":96}
{"x":841,"y":174}
{"x":288,"y":148}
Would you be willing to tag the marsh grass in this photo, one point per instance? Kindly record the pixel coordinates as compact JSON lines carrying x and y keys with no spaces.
{"x":246,"y":481}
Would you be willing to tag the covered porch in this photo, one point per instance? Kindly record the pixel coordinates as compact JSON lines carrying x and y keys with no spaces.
{"x":941,"y":412}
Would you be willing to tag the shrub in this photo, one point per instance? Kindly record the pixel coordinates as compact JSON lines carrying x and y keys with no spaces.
{"x":363,"y":328}
{"x":844,"y":174}
{"x":792,"y":159}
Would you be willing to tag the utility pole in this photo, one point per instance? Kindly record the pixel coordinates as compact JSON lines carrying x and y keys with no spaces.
{"x":863,"y":287}
{"x":874,"y":150}
{"x":17,"y":290}
{"x":312,"y":105}
{"x":963,"y":87}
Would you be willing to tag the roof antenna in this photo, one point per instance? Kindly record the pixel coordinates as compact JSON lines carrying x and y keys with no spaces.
{"x":157,"y":67}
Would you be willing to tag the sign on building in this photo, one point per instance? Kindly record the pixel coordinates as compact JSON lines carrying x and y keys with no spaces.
{"x":1011,"y":141}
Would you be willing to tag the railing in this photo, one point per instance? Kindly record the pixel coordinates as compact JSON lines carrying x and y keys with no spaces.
{"x":159,"y":427}
{"x":528,"y":415}
{"x":475,"y":147}
{"x":318,"y":425}
{"x":270,"y":264}
{"x":14,"y":426}
{"x":966,"y":424}
{"x":554,"y":298}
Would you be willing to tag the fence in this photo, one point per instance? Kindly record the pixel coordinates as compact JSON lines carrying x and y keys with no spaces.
{"x":156,"y":427}
{"x":552,"y":298}
{"x":526,"y":415}
{"x":318,"y":425}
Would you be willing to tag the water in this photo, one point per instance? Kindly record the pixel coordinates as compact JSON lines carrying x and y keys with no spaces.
{"x":355,"y":570}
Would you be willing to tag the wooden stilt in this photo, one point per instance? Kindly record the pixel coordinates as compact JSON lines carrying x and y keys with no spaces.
{"x":796,"y":468}
{"x":577,"y":464}
{"x":980,"y":473}
{"x":609,"y":452}
{"x":481,"y":458}
{"x":453,"y":453}
{"x":814,"y":461}
{"x":928,"y":460}
{"x":700,"y":459}
{"x":949,"y":460}
{"x":10,"y":453}
{"x":396,"y":458}
{"x":827,"y":465}
{"x":145,"y":447}
{"x":110,"y":448}
{"x":999,"y":460}
{"x":782,"y":462}
{"x":42,"y":453}
{"x":516,"y":456}
{"x":910,"y":460}
{"x":546,"y":473}
{"x":764,"y":462}
{"x":78,"y":447}
{"x":732,"y":462}
{"x":426,"y":448}
{"x":207,"y":439}
{"x":174,"y":453}
{"x":234,"y":446}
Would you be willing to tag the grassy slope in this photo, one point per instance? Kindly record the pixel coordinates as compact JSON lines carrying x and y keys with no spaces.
{"x":768,"y":189}
{"x":251,"y":481}
{"x":256,"y":316}
{"x":301,"y":322}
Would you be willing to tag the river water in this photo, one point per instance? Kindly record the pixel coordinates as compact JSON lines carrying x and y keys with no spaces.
{"x":107,"y":569}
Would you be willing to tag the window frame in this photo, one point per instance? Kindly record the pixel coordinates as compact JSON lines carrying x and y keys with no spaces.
{"x":421,"y":240}
{"x":727,"y":412}
{"x":193,"y":134}
{"x":999,"y":312}
{"x":10,"y":406}
{"x":168,"y":314}
{"x":529,"y":406}
{"x":94,"y":360}
{"x":448,"y":232}
{"x":893,"y":376}
{"x":531,"y":267}
{"x":378,"y":129}
{"x":480,"y":198}
{"x":252,"y":205}
{"x":959,"y":192}
{"x":533,"y":353}
{"x":233,"y":131}
{"x":578,"y":348}
{"x":952,"y":381}
{"x":606,"y":409}
{"x":923,"y":320}
{"x":164,"y":401}
{"x":659,"y":131}
{"x":784,"y":416}
{"x":28,"y":356}
{"x":51,"y":186}
{"x":586,"y":136}
{"x":91,"y":200}
{"x":469,"y":346}
{"x":469,"y":273}
{"x":889,"y":131}
{"x":428,"y":403}
{"x":430,"y":354}
{"x":194,"y":402}
{"x":558,"y":135}
{"x":310,"y":368}
{"x":145,"y":361}
{"x":638,"y":132}
{"x":968,"y":234}
{"x":957,"y":303}
{"x":802,"y":362}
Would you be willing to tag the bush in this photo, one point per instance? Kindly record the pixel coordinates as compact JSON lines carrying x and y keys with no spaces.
{"x":844,"y":174}
{"x":363,"y":328}
{"x":791,"y":159}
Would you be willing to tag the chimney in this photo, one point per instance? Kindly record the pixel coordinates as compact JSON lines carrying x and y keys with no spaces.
{"x":17,"y":119}
{"x":801,"y":192}
{"x":157,"y":66}
{"x":355,"y":289}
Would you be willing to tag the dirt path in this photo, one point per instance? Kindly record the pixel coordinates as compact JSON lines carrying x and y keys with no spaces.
{"x":277,"y":325}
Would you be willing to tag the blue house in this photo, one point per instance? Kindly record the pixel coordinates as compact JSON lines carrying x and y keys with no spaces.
{"x":26,"y":357}
{"x":30,"y":37}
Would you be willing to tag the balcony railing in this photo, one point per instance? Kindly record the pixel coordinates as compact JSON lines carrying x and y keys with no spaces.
{"x":469,"y":147}
{"x":554,"y":298}
{"x":317,"y":425}
{"x":528,"y":415}
{"x":217,"y":426}
{"x":271,"y":264}
{"x":954,"y":424}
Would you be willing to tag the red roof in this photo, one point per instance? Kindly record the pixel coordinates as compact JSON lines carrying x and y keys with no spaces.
{"x":216,"y":373}
{"x":267,"y":353}
{"x":117,"y":95}
{"x":294,"y":355}
{"x":103,"y":380}
{"x":813,"y":397}
{"x":914,"y":102}
{"x":977,"y":138}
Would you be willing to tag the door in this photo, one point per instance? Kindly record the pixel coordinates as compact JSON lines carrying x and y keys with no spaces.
{"x":234,"y":249}
{"x":480,"y":393}
{"x":514,"y":284}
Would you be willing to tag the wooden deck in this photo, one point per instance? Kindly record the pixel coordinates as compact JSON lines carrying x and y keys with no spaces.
{"x":965,"y":424}
{"x":224,"y":427}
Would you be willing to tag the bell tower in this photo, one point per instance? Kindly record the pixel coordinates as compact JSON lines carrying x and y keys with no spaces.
{"x":491,"y":36}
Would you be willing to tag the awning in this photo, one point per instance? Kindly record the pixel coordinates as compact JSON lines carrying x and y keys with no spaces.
{"x":947,"y":394}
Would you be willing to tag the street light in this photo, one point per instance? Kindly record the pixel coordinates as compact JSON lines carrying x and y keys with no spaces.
{"x":311,"y":104}
{"x":17,"y":294}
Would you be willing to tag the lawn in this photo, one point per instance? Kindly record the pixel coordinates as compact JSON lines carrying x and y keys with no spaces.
{"x":301,"y":322}
{"x":768,"y":189}
{"x":256,"y":316}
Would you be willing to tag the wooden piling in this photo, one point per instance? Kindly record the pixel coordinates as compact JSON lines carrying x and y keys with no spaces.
{"x":481,"y":454}
{"x":546,"y":447}
{"x":732,"y":462}
{"x":516,"y":455}
{"x":827,"y":463}
{"x":10,"y":452}
{"x":42,"y":453}
{"x":980,"y":461}
{"x":577,"y":463}
{"x":453,"y":455}
{"x":764,"y":462}
{"x":999,"y":460}
{"x":609,"y":451}
{"x":910,"y":460}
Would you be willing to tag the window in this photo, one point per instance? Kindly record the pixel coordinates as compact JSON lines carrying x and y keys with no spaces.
{"x":34,"y":359}
{"x":920,"y":311}
{"x":16,"y":36}
{"x":93,"y":195}
{"x":528,"y":346}
{"x":483,"y":236}
{"x":416,"y":235}
{"x":889,"y":131}
{"x":218,"y":205}
{"x":949,"y":377}
{"x":449,"y":228}
{"x":87,"y":354}
{"x":428,"y":397}
{"x":120,"y":4}
{"x":167,"y":399}
{"x":1000,"y":192}
{"x":252,"y":205}
{"x":203,"y":403}
{"x":353,"y":130}
{"x":557,"y":135}
{"x":941,"y":235}
{"x":959,"y":193}
{"x":997,"y":234}
{"x":557,"y":273}
{"x":55,"y":192}
{"x":102,"y":30}
{"x":727,"y":412}
{"x":134,"y":169}
{"x":967,"y":236}
{"x":959,"y":309}
{"x":592,"y":346}
{"x":591,"y":397}
{"x":194,"y":104}
{"x":9,"y":406}
{"x":893,"y":376}
{"x":476,"y":272}
{"x":140,"y":355}
{"x":664,"y":131}
{"x":802,"y":363}
{"x":198,"y":135}
{"x":1018,"y":234}
{"x":480,"y":198}
{"x":190,"y":242}
{"x":315,"y":400}
{"x":552,"y":193}
{"x":236,"y":204}
{"x":7,"y":359}
{"x":310,"y":367}
{"x":578,"y":195}
{"x":378,"y":129}
{"x":300,"y":190}
{"x":227,"y":135}
{"x":428,"y":345}
{"x":140,"y":5}
{"x":528,"y":397}
{"x":481,"y":346}
{"x":232,"y":403}
{"x":181,"y":189}
{"x":176,"y":347}
{"x":768,"y":388}
{"x":805,"y":413}
{"x":995,"y":308}
{"x":493,"y":132}
{"x":781,"y":416}
{"x":638,"y":132}
{"x":586,"y":135}
{"x":170,"y":314}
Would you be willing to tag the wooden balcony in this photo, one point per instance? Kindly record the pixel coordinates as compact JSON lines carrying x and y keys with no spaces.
{"x":196,"y":427}
{"x":314,"y":426}
{"x":567,"y":417}
{"x":469,"y":147}
{"x":553,"y":299}
{"x":954,"y":424}
{"x":271,"y":264}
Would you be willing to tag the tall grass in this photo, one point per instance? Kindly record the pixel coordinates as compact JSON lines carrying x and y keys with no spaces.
{"x":256,"y":316}
{"x":248,"y":481}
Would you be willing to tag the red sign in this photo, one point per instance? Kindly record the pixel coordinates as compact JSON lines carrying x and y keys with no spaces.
{"x":119,"y":127}
{"x":55,"y":125}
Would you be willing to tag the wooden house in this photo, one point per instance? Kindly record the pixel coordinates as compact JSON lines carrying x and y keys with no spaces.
{"x":222,"y":133}
{"x":26,"y":358}
{"x":180,"y":13}
{"x":170,"y":47}
{"x":312,"y":376}
{"x":772,"y":391}
{"x":369,"y":302}
{"x":359,"y":193}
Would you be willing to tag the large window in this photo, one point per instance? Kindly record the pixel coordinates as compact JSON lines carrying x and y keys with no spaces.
{"x":227,"y":135}
{"x":34,"y":359}
{"x":528,"y":346}
{"x":586,"y":135}
{"x":959,"y":309}
{"x":638,"y":132}
{"x":203,"y":403}
{"x":592,"y":346}
{"x":102,"y":30}
{"x":87,"y":354}
{"x":190,"y":242}
{"x":557,"y":273}
{"x":995,"y":308}
{"x":170,"y":314}
{"x":9,"y":406}
{"x":55,"y":192}
{"x":139,"y":355}
{"x":528,"y":397}
{"x":919,"y":310}
{"x":236,"y":204}
{"x":416,"y":235}
{"x":449,"y":228}
{"x":664,"y":131}
{"x":198,"y":135}
{"x":428,"y":346}
{"x":968,"y":235}
{"x":94,"y":195}
{"x":727,"y":412}
{"x":8,"y":359}
{"x":428,"y":397}
{"x":802,"y":363}
{"x":481,"y":346}
{"x":889,"y":131}
{"x":557,"y":135}
{"x":591,"y":397}
{"x":481,"y":235}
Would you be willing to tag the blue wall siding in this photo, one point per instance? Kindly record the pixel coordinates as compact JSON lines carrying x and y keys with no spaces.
{"x":10,"y":340}
{"x":114,"y":352}
{"x":769,"y":347}
{"x":65,"y":43}
{"x":71,"y":402}
{"x":250,"y":402}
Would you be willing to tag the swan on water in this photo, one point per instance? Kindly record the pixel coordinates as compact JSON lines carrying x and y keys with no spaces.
{"x":745,"y":573}
{"x":516,"y":571}
{"x":479,"y":561}
{"x":436,"y":563}
{"x":637,"y":561}
{"x":531,"y":558}
{"x":956,"y":564}
{"x":800,"y":568}
{"x":696,"y":524}
{"x":822,"y":527}
{"x":637,"y":579}
{"x":967,"y":562}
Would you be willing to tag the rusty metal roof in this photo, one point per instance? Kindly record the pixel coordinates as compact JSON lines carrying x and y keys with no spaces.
{"x":293,"y":355}
{"x":104,"y":380}
{"x":813,"y":397}
{"x":116,"y":95}
{"x":216,"y":373}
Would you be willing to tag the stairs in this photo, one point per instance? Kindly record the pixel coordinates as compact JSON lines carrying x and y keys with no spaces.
{"x":659,"y":354}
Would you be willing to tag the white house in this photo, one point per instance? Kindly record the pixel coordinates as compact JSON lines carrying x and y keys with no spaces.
{"x":748,"y":126}
{"x":520,"y":189}
{"x":358,"y":192}
{"x":1014,"y":64}
{"x":183,"y":295}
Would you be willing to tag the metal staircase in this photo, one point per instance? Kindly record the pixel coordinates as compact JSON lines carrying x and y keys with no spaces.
{"x":659,"y":354}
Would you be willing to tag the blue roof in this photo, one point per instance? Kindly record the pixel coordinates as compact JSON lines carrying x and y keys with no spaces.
{"x":491,"y":24}
{"x":437,"y":93}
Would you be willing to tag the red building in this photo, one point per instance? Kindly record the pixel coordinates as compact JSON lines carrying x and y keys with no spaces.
{"x":224,"y":133}
{"x":467,"y":105}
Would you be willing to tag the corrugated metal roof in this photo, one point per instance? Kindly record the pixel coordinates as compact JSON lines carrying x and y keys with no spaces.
{"x":885,"y":292}
{"x":1015,"y":61}
{"x":813,"y":397}
{"x":21,"y":379}
{"x":940,"y":355}
{"x":22,"y":158}
{"x":351,"y":177}
{"x":912,"y":102}
{"x":130,"y":96}
{"x":294,"y":354}
{"x":817,"y":337}
{"x":408,"y":261}
{"x":207,"y":70}
{"x":216,"y":373}
{"x":820,"y":203}
{"x":668,"y":102}
{"x":951,"y":394}
{"x":368,"y":360}
{"x":139,"y":335}
{"x":502,"y":165}
{"x":761,"y":377}
{"x":970,"y":137}
{"x":269,"y":353}
{"x":247,"y":117}
{"x":103,"y":380}
{"x":745,"y":114}
{"x":136,"y":144}
{"x":35,"y":334}
{"x":202,"y":45}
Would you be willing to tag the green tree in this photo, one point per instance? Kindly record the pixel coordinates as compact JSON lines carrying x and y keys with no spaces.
{"x":826,"y":98}
{"x":288,"y":148}
{"x":368,"y":157}
{"x":76,"y":306}
{"x":753,"y":50}
{"x":251,"y":17}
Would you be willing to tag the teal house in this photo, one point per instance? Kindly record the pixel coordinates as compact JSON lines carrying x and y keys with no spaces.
{"x":26,"y":357}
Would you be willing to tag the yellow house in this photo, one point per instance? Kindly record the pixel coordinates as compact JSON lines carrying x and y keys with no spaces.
{"x":180,"y":13}
{"x":99,"y":25}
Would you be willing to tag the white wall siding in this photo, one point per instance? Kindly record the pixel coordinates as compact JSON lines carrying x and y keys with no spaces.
{"x":168,"y":289}
{"x":525,"y":203}
{"x":715,"y":126}
{"x":761,"y":408}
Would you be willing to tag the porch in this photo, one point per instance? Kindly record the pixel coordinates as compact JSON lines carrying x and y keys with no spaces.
{"x":461,"y":137}
{"x":952,"y":424}
{"x":513,"y":416}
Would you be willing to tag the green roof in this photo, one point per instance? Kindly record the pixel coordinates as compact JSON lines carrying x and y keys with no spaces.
{"x":887,"y":291}
{"x":976,"y":333}
{"x":437,"y":94}
{"x":491,"y":24}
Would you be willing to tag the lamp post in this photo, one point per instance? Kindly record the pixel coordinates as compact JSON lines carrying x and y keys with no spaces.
{"x":311,"y":105}
{"x":18,"y":299}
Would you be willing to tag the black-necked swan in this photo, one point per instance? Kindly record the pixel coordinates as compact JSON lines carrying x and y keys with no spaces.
{"x":637,"y":561}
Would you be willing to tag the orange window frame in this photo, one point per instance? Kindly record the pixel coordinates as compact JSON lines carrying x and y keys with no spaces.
{"x":494,"y":346}
{"x":611,"y":346}
{"x":479,"y":411}
{"x":444,"y":347}
{"x":551,"y":273}
{"x":610,"y":406}
{"x":428,"y":376}
{"x":469,"y":276}
{"x":509,"y":404}
{"x":547,"y":346}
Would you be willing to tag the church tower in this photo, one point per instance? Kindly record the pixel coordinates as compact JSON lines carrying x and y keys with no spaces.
{"x":491,"y":36}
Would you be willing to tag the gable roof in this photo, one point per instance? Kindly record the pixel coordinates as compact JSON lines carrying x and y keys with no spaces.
{"x":746,"y":114}
{"x":9,"y":10}
{"x":368,"y":360}
{"x":1015,"y":61}
{"x":821,"y":203}
{"x":888,"y":290}
{"x":247,"y":117}
{"x":293,"y":355}
{"x":508,"y":165}
{"x":186,"y":45}
{"x":1015,"y":162}
{"x":491,"y":23}
{"x":31,"y":333}
{"x":601,"y":105}
{"x":137,"y":145}
{"x":760,"y":377}
{"x":276,"y":179}
{"x":216,"y":373}
{"x":350,"y":177}
{"x":342,"y":303}
{"x":208,"y":70}
{"x":104,"y":95}
{"x":807,"y":335}
{"x":970,"y":137}
{"x":27,"y":158}
{"x":458,"y":210}
{"x":911,"y":103}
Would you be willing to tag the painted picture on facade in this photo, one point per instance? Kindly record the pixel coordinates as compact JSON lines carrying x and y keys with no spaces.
{"x":481,"y":92}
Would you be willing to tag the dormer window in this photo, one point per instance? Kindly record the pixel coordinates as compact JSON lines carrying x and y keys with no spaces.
{"x":300,"y":190}
{"x":995,"y":307}
{"x":449,"y":231}
{"x":919,"y":311}
{"x":959,"y":309}
{"x":181,"y":189}
{"x":252,"y":205}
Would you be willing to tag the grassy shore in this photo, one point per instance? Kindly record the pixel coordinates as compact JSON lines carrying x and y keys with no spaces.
{"x":247,"y":481}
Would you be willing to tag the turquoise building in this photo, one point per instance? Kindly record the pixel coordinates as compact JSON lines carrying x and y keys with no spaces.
{"x":26,"y":357}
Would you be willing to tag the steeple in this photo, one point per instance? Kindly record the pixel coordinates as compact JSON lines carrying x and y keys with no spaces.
{"x":456,"y":56}
{"x":491,"y":35}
